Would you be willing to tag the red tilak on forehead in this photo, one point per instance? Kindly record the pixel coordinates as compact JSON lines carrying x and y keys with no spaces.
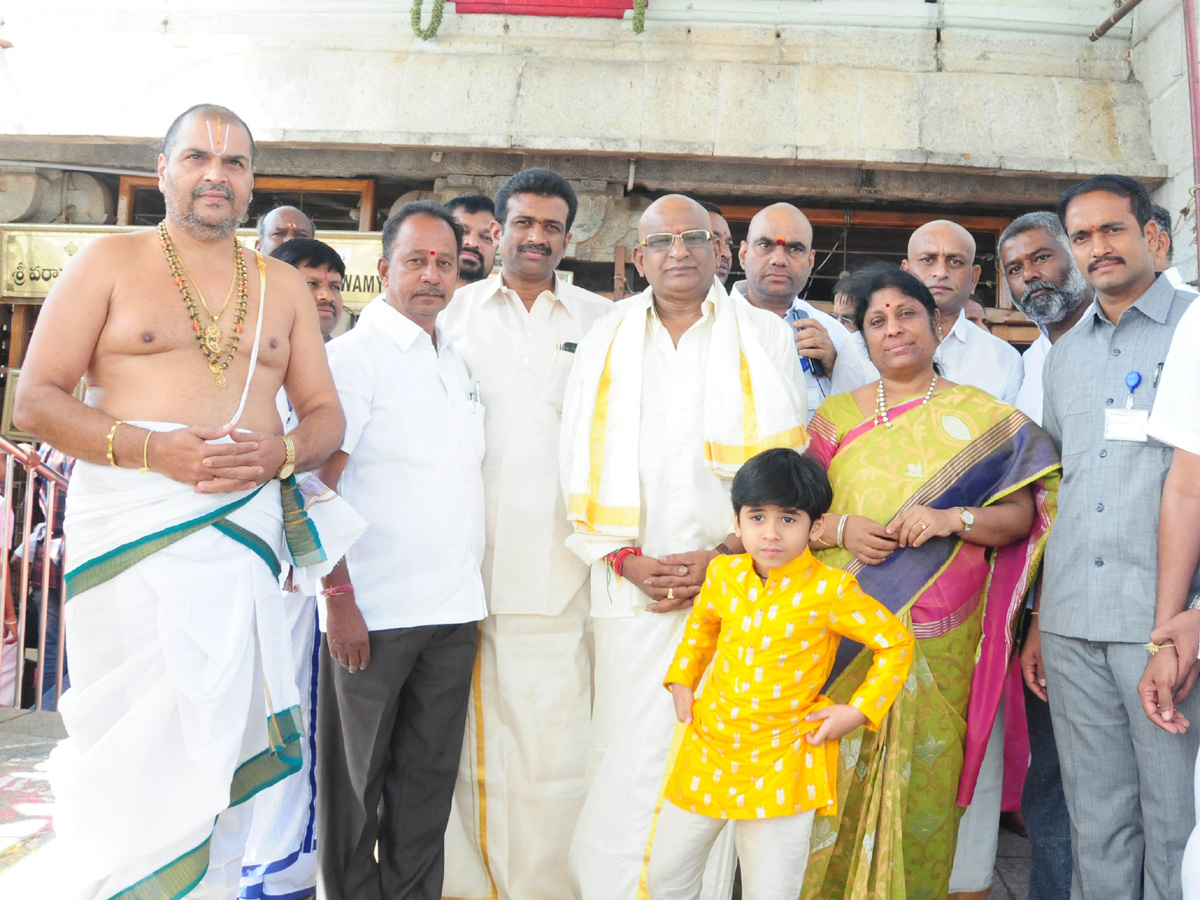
{"x":433,"y":253}
{"x":887,"y":306}
{"x":781,"y":241}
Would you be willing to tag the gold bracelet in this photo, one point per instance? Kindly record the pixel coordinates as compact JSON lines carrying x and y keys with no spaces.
{"x":1033,"y":612}
{"x":1153,"y":648}
{"x":109,"y":450}
{"x":145,"y":451}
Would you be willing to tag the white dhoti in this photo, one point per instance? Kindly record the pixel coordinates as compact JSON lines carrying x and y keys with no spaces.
{"x":280,"y":861}
{"x":182,"y":703}
{"x":631,"y":754}
{"x":521,"y":780}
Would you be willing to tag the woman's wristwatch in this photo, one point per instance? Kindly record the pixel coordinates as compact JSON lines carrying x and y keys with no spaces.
{"x":968,"y":519}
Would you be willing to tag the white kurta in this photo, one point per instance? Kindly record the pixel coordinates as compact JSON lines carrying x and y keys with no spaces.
{"x":521,"y":779}
{"x":684,"y":507}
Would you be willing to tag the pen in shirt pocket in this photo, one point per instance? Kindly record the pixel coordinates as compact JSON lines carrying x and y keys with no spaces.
{"x":1157,"y":371}
{"x":475,"y":397}
{"x":565,"y":347}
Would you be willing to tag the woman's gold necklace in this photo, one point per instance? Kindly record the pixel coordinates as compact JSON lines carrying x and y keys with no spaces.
{"x":881,"y":413}
{"x":210,"y":338}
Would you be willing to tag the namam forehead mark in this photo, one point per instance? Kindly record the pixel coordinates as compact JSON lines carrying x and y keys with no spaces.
{"x":220,"y":137}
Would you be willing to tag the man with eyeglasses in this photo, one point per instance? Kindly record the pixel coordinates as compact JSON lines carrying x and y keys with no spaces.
{"x":722,"y":238}
{"x":671,"y":393}
{"x":778,"y":258}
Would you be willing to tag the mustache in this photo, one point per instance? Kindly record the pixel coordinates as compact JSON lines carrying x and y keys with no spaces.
{"x":472,"y":252}
{"x":1104,"y":259}
{"x":540,"y":248}
{"x":431,"y":291}
{"x":209,"y":187}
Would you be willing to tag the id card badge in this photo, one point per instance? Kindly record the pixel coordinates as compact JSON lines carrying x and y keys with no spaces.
{"x":1126,"y":424}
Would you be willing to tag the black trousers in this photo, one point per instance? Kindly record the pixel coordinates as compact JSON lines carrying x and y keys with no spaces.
{"x":388,"y":744}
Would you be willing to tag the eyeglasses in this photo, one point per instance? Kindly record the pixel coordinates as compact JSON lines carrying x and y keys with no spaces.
{"x":665,"y":240}
{"x":846,"y":319}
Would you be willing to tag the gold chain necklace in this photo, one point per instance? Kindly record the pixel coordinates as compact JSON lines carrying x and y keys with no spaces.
{"x":212,"y":334}
{"x":210,"y":344}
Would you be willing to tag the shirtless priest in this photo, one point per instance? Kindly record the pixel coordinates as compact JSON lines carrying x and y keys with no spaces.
{"x":182,"y":705}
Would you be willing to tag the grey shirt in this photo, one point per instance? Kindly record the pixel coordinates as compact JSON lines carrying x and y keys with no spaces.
{"x":1101,"y":567}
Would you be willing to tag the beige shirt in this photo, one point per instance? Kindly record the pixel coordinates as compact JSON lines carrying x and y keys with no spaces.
{"x":520,"y":361}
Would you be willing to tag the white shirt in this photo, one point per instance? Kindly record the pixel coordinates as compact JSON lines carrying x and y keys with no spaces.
{"x":970,"y":355}
{"x":1173,"y":275}
{"x":1029,"y":398}
{"x":520,"y":360}
{"x":414,"y":436}
{"x":1175,"y":418}
{"x":847,"y":372}
{"x":685,"y":506}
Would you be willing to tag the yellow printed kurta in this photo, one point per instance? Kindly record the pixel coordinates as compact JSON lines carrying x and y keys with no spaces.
{"x":772,"y":646}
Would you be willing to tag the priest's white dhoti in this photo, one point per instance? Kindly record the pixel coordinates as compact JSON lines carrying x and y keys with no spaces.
{"x":183,"y":704}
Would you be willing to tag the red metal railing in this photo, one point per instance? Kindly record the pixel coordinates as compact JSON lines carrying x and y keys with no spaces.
{"x":29,"y":459}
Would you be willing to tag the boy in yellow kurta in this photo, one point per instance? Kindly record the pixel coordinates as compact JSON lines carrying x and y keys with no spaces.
{"x":761,"y":746}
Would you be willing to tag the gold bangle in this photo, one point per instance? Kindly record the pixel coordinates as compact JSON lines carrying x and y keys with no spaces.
{"x":109,"y":449}
{"x":145,"y":453}
{"x":1033,"y":612}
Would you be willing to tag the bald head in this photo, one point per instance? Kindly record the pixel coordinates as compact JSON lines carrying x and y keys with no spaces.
{"x":942,"y":254}
{"x":680,"y":274}
{"x":280,"y":225}
{"x":777,"y":256}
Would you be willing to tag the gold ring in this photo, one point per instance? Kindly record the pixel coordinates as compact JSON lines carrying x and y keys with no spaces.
{"x":670,"y":593}
{"x":923,"y":526}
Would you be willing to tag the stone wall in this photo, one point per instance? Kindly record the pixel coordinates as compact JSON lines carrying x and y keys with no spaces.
{"x":956,"y":102}
{"x":1160,"y":65}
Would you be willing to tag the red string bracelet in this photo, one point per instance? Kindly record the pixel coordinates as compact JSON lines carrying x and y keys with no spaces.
{"x":616,"y":559}
{"x":337,"y":590}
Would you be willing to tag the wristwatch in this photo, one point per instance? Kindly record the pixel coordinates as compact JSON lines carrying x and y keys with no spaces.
{"x":289,"y":459}
{"x":968,"y":519}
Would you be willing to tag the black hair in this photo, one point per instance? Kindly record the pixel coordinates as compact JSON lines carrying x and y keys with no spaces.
{"x":862,"y":284}
{"x":1121,"y":185}
{"x":472,"y":203}
{"x":419,"y":208}
{"x":211,"y":109}
{"x":782,"y":477}
{"x":1160,"y":215}
{"x":309,"y":252}
{"x":544,"y":183}
{"x":261,"y":225}
{"x":711,"y":207}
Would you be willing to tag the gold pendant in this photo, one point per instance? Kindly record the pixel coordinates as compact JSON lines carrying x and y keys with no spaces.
{"x":212,"y":338}
{"x":221,"y":382}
